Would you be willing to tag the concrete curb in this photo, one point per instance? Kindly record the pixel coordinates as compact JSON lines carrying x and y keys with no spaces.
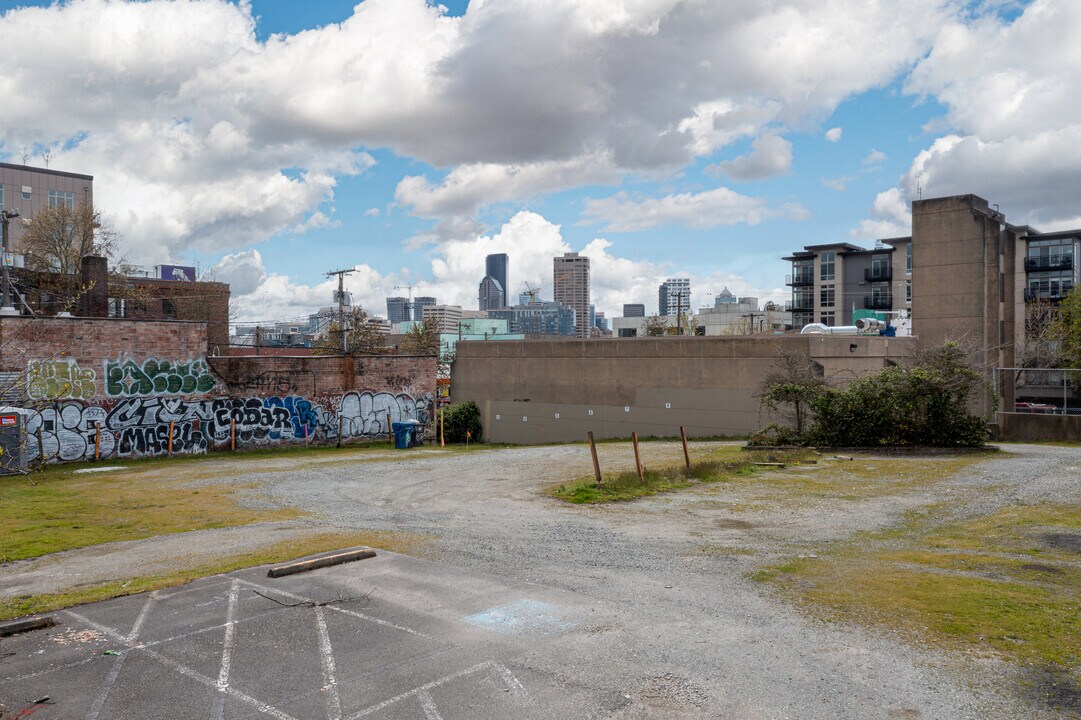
{"x":16,"y":627}
{"x":320,"y":562}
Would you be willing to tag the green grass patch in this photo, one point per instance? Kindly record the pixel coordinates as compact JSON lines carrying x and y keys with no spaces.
{"x":720,"y":465}
{"x":64,"y":510}
{"x":1007,"y":584}
{"x":278,"y":552}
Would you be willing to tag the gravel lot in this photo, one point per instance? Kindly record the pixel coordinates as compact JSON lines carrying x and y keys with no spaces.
{"x":685,"y":633}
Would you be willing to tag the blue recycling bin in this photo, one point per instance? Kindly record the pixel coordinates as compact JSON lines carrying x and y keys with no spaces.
{"x":403,"y":435}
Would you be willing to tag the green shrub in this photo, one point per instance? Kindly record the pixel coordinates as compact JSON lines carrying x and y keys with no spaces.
{"x":460,"y":418}
{"x":924,"y":404}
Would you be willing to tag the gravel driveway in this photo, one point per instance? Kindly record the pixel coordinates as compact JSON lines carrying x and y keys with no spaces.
{"x":685,"y":632}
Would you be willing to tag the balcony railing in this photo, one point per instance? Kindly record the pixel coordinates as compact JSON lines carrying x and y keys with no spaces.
{"x":1049,"y":262}
{"x":1048,"y":295}
{"x":804,"y":278}
{"x":878,"y":302}
{"x":800,"y":305}
{"x":873,"y":274}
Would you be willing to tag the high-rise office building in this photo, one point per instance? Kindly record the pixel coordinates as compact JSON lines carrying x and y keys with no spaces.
{"x":634,"y":310}
{"x":398,"y":310}
{"x":570,"y":275}
{"x":495,"y":267}
{"x":490,"y":295}
{"x":674,"y":295}
{"x":419,"y":303}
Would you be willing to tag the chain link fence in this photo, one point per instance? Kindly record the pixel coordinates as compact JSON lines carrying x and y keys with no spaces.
{"x":1046,"y":391}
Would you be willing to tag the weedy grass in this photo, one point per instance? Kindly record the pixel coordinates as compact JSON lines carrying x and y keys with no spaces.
{"x":1007,"y":583}
{"x":63,"y":510}
{"x":863,"y":477}
{"x":297,"y":547}
{"x":719,"y":465}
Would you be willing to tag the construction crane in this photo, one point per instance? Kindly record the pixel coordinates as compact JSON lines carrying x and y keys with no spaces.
{"x":534,"y":291}
{"x":410,"y":289}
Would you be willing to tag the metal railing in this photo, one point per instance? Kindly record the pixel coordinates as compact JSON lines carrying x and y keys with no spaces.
{"x":1049,"y":295}
{"x":875,"y":274}
{"x":1048,"y":262}
{"x":878,"y":302}
{"x":1041,"y":391}
{"x":807,"y":278}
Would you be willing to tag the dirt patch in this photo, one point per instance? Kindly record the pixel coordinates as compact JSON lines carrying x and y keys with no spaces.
{"x":1040,"y":567}
{"x":1063,"y":541}
{"x":733,"y":524}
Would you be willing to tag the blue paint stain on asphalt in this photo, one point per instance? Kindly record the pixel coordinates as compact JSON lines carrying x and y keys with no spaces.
{"x":524,"y":616}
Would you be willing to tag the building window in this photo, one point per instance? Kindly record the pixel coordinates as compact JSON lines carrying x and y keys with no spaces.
{"x":26,"y":192}
{"x":168,"y":309}
{"x":117,"y":308}
{"x":827,"y":296}
{"x":908,"y":291}
{"x":829,"y":319}
{"x":803,"y":272}
{"x":827,"y":265}
{"x":1049,"y":285}
{"x":908,"y":259}
{"x":1,"y":196}
{"x":58,"y":198}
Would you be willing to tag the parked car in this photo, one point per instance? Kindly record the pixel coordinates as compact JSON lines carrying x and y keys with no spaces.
{"x":1039,"y":408}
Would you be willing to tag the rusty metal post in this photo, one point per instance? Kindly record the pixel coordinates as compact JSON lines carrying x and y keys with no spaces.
{"x":686,"y":455}
{"x":637,"y":456}
{"x":339,"y":431}
{"x":97,"y":441}
{"x":390,"y":429}
{"x":41,"y":447}
{"x":596,"y":462}
{"x":232,"y":435}
{"x":170,"y":438}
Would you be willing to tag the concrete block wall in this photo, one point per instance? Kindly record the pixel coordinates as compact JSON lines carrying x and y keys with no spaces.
{"x":555,"y":391}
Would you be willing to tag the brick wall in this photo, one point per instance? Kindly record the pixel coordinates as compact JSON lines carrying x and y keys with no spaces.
{"x":199,"y":301}
{"x":267,"y":376}
{"x":56,"y":358}
{"x":411,"y":374}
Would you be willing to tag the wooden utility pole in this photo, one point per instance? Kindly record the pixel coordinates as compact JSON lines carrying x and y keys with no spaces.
{"x":342,"y":347}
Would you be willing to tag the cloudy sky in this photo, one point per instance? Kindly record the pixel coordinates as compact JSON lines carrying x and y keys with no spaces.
{"x":270,"y":142}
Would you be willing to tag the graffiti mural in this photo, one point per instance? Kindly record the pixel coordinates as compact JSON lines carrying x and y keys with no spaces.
{"x":60,"y":380}
{"x":139,"y":426}
{"x":127,"y":378}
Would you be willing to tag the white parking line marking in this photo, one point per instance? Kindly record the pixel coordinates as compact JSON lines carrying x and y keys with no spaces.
{"x":217,"y":711}
{"x":330,"y":680}
{"x":182,"y":669}
{"x":335,"y":608}
{"x":426,"y":702}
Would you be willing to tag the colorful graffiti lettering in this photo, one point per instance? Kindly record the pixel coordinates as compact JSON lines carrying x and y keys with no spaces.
{"x":127,"y":378}
{"x":142,"y":426}
{"x":60,"y":380}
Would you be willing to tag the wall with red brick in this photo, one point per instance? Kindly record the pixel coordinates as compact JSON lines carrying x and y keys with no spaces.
{"x":70,"y":358}
{"x":113,"y":388}
{"x":266,"y":376}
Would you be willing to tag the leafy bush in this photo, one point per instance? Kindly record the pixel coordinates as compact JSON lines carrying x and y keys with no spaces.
{"x":926,"y":403}
{"x":460,"y":418}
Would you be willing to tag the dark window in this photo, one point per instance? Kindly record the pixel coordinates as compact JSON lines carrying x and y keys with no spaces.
{"x":168,"y":309}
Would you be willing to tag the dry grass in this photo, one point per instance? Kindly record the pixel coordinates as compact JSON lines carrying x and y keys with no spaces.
{"x":301,"y":546}
{"x":1007,"y":584}
{"x":64,"y":510}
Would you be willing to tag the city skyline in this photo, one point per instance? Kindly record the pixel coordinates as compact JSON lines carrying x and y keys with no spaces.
{"x":269,"y":143}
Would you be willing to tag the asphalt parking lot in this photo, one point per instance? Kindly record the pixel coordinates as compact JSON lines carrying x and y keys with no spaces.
{"x":517,"y":605}
{"x":326,"y":644}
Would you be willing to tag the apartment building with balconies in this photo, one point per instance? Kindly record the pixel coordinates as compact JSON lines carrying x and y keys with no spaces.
{"x":831,"y":283}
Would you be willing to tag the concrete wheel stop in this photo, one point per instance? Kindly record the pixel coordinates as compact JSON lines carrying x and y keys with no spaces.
{"x":320,"y":561}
